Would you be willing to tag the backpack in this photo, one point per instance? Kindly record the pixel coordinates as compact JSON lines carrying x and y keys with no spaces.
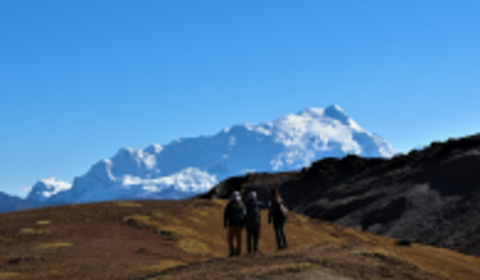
{"x":280,"y":210}
{"x":283,"y":210}
{"x":237,"y":213}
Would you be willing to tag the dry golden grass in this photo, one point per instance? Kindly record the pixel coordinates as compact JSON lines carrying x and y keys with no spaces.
{"x":55,"y":245}
{"x":8,"y":275}
{"x":193,"y":246}
{"x":43,"y":223}
{"x":192,"y":232}
{"x":140,"y":221}
{"x":163,"y":265}
{"x":184,"y":236}
{"x":127,"y":204}
{"x":179,"y":230}
{"x":302,"y":218}
{"x":160,"y":235}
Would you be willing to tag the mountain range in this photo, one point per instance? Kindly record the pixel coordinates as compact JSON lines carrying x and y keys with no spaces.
{"x":189,"y":166}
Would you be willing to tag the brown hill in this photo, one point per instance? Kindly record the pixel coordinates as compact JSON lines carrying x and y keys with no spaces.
{"x":430,"y":196}
{"x":186,"y":240}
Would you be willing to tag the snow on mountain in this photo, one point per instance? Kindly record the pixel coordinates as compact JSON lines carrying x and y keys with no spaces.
{"x":188,"y":166}
{"x":100,"y":184}
{"x":45,"y":188}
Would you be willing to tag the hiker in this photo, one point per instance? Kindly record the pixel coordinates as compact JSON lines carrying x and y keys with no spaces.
{"x":278,"y":213}
{"x":253,"y":222}
{"x":234,"y":219}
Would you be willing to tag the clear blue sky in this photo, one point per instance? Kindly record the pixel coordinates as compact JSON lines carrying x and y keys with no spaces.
{"x":80,"y":79}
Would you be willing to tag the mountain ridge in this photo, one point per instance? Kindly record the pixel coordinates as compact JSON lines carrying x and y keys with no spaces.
{"x":189,"y":166}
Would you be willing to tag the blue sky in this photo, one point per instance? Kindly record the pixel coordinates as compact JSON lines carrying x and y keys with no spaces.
{"x":80,"y":79}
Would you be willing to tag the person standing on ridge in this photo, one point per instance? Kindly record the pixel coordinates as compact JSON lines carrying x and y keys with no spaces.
{"x":234,"y":221}
{"x":253,"y":222}
{"x":278,"y":213}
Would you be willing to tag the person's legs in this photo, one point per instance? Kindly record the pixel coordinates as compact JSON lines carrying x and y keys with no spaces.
{"x":256,"y":237}
{"x":249,"y":239}
{"x":230,"y":235}
{"x":283,"y":236}
{"x":278,"y":237}
{"x":239,"y":230}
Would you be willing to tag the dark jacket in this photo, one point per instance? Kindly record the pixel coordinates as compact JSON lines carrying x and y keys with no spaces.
{"x":253,"y":211}
{"x":275,"y":212}
{"x":235,"y":213}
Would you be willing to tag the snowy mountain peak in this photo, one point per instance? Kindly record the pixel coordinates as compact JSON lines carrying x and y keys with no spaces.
{"x":154,"y":149}
{"x":335,"y":112}
{"x":125,"y":151}
{"x":312,"y":112}
{"x":336,"y":108}
{"x":52,"y":181}
{"x":187,"y":166}
{"x":46,"y":188}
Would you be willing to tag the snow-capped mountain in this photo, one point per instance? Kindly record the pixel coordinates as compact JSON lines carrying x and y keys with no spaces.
{"x":189,"y":166}
{"x":45,"y":188}
{"x":100,"y":184}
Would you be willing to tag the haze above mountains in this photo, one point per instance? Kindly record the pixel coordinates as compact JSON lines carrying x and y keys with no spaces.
{"x":189,"y":166}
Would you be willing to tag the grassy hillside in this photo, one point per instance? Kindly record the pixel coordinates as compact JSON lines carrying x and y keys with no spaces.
{"x":186,"y":240}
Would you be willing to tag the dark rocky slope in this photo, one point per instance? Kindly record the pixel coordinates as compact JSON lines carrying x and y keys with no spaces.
{"x":430,"y":196}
